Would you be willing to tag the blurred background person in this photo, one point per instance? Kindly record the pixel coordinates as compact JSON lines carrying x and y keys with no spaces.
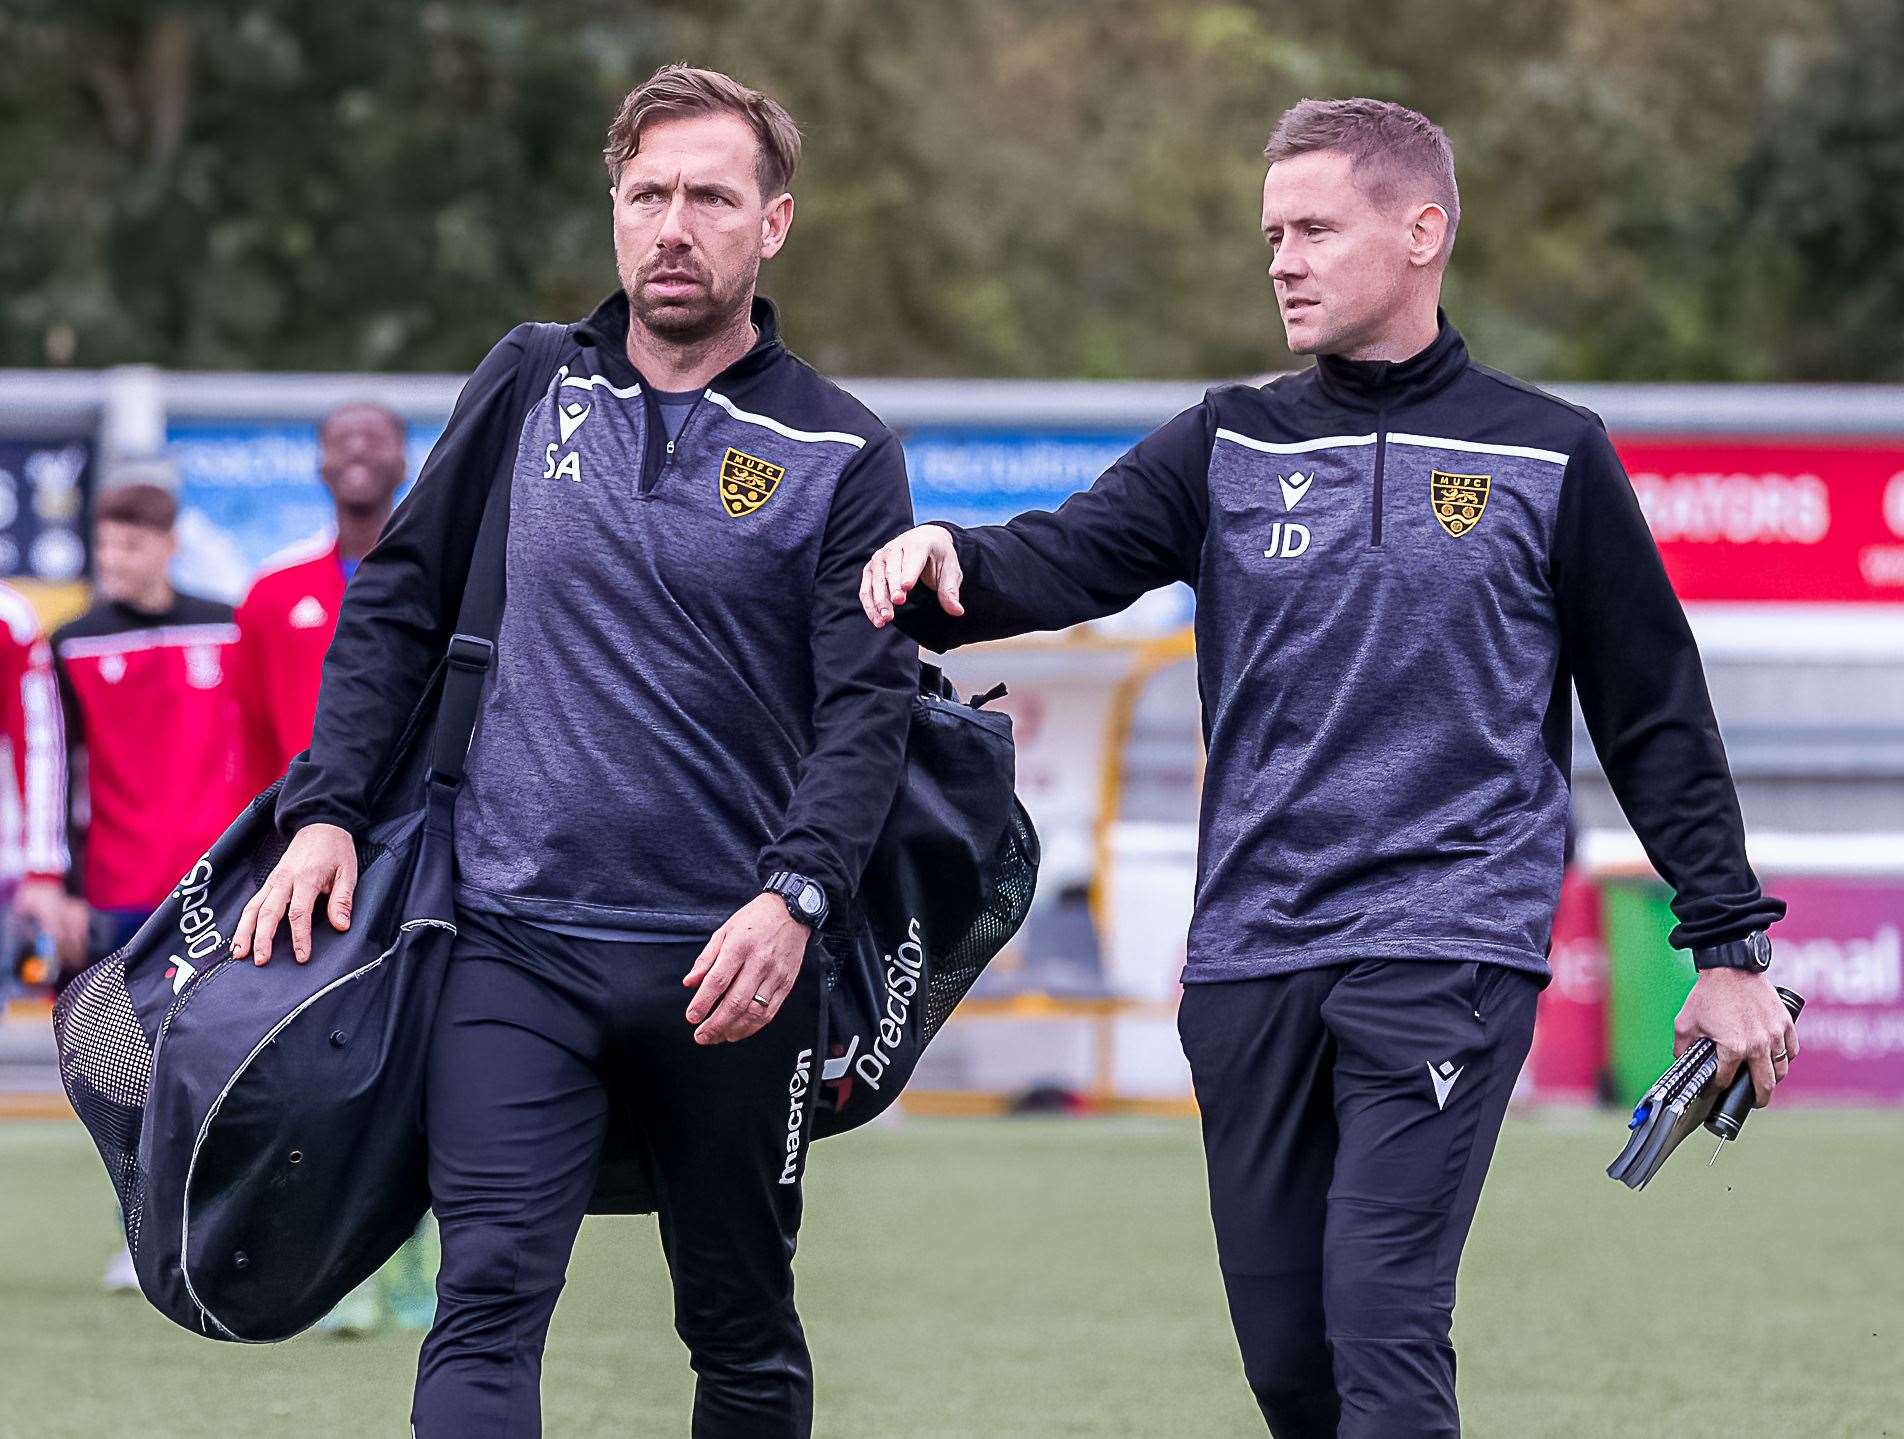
{"x":32,"y":822}
{"x":286,"y":619}
{"x":285,"y":623}
{"x":150,"y":718}
{"x":151,"y":727}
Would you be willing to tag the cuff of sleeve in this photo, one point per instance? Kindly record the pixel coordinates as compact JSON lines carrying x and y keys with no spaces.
{"x":292,"y":818}
{"x":919,"y":617}
{"x":1705,"y":934}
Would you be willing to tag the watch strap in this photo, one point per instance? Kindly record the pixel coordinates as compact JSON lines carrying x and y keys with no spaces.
{"x":1753,"y":953}
{"x":805,"y":898}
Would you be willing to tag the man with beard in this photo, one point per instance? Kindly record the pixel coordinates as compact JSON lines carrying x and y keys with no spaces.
{"x":684,"y":755}
{"x":287,"y":618}
{"x":1401,"y":559}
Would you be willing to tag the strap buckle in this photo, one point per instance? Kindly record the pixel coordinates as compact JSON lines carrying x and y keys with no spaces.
{"x":468,"y":652}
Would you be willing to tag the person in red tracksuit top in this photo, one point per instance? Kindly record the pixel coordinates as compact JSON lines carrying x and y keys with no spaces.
{"x":286,"y":621}
{"x":32,"y":808}
{"x":151,"y":718}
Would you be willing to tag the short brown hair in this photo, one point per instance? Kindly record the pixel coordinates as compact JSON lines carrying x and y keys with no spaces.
{"x":1390,"y":142}
{"x":676,"y":91}
{"x":137,"y":503}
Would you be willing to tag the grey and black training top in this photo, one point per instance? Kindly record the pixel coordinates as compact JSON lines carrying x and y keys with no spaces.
{"x":1399,"y":567}
{"x":687,"y":697}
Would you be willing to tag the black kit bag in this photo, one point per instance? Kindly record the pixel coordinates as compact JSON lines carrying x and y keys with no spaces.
{"x":948,"y":884}
{"x":263,"y":1126}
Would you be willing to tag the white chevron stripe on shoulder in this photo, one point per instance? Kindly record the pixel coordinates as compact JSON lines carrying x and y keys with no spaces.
{"x":298,"y":552}
{"x":1296,"y":447}
{"x":810,"y":437}
{"x":160,"y":637}
{"x":19,"y":616}
{"x":601,"y":382}
{"x":1476,"y":447}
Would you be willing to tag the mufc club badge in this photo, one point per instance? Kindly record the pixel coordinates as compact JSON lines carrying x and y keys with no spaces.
{"x":747,"y":482}
{"x":1457,"y":500}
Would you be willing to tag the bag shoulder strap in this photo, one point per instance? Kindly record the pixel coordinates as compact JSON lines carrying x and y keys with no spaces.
{"x":473,"y":645}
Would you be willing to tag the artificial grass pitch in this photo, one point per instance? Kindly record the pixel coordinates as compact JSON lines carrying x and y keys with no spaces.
{"x":1057,"y":1277}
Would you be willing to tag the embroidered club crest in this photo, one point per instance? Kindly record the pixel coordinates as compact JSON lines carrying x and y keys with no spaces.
{"x":747,"y":482}
{"x":1457,"y":500}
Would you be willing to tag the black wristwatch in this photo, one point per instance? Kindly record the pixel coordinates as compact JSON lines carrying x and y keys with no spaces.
{"x":805,"y":899}
{"x":1753,"y":954}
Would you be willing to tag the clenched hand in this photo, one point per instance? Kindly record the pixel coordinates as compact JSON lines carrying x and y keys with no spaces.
{"x":1741,"y":1013}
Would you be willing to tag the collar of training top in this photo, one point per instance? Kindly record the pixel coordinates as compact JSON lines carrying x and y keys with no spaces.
{"x":607,"y":330}
{"x":1375,"y":384}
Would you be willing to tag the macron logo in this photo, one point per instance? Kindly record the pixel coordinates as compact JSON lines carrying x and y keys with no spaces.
{"x":1444,"y":1075}
{"x":1294,"y":488}
{"x":570,"y":417}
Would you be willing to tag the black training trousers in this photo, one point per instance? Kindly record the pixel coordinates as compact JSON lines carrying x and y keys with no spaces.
{"x":536,"y":1031}
{"x":1349,"y":1114}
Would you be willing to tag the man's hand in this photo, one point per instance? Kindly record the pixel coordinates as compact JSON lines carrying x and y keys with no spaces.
{"x":925,"y":553}
{"x":322,"y":859}
{"x":74,"y":933}
{"x":1741,"y":1013}
{"x":746,"y":970}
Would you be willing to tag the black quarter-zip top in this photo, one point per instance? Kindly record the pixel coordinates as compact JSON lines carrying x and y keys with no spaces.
{"x":686,"y":697}
{"x":1399,"y":568}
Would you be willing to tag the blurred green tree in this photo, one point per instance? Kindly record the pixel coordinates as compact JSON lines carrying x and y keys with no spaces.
{"x":1653,"y":188}
{"x":1823,"y":194}
{"x":267,"y":183}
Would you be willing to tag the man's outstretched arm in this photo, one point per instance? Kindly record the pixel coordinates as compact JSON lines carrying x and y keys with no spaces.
{"x":1642,"y":690}
{"x":1138,"y":527}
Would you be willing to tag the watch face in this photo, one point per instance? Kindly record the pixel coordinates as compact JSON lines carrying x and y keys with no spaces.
{"x":811,"y":900}
{"x":1759,"y":945}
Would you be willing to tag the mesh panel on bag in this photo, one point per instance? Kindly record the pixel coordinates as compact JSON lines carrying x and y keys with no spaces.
{"x":1012,"y":874}
{"x":106,"y":1059}
{"x":106,"y":1066}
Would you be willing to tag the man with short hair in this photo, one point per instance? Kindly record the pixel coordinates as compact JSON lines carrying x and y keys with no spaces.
{"x":686,"y":751}
{"x":1401,"y":558}
{"x":151,"y":722}
{"x":288,"y":616}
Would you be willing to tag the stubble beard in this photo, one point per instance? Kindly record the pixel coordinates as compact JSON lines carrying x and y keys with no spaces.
{"x":692,"y":321}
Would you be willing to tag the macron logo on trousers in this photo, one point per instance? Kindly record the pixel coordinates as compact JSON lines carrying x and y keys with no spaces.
{"x":796,"y":1104}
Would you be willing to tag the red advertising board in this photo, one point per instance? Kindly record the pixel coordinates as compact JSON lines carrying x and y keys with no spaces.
{"x":1570,"y":1024}
{"x":1841,"y":946}
{"x":1742,"y":520}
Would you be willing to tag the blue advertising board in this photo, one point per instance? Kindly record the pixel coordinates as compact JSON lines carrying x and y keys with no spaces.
{"x":248,"y":490}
